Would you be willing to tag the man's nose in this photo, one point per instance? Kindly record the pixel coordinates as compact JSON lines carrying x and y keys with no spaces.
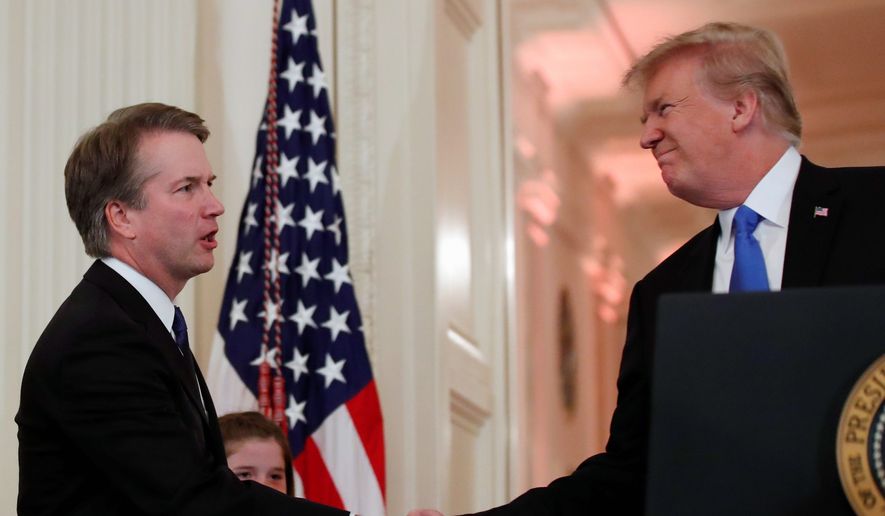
{"x":651,"y":135}
{"x":214,"y":207}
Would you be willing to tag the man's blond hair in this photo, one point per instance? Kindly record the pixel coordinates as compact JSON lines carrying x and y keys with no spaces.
{"x":735,"y":58}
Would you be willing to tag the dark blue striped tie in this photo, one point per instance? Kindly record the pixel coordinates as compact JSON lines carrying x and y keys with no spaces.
{"x":179,"y":328}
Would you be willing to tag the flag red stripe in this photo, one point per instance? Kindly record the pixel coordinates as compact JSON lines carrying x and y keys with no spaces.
{"x":318,"y":485}
{"x":365,"y":411}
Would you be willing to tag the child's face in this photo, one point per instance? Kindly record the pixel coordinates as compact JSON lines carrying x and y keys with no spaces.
{"x":260,"y":460}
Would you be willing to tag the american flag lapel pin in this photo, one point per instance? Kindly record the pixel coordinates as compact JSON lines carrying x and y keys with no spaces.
{"x":820,"y":211}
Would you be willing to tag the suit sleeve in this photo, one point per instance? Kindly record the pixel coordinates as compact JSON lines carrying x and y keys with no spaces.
{"x":612,"y":482}
{"x":116,"y":405}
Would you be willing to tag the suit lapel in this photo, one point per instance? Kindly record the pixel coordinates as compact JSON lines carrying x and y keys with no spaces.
{"x":139,"y":309}
{"x":213,"y":430}
{"x":702,"y":250}
{"x":814,"y":217}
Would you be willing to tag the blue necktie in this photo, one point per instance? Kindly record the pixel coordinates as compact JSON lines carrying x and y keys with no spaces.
{"x":179,"y":328}
{"x":748,"y":273}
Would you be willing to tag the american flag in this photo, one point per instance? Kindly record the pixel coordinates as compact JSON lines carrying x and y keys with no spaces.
{"x":289,"y":340}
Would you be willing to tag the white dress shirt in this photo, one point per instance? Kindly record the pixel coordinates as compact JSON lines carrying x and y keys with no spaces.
{"x":156,"y":298}
{"x":772,"y":198}
{"x":154,"y":295}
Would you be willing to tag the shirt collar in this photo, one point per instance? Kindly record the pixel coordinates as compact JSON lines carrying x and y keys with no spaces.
{"x":772,"y":196}
{"x":154,"y":295}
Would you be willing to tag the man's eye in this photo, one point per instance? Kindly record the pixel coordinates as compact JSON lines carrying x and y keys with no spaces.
{"x":662,"y":110}
{"x":186,"y":188}
{"x":244,"y":475}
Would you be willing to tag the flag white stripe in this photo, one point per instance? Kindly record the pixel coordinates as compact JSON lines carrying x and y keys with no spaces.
{"x":299,"y":484}
{"x":229,"y":393}
{"x":342,"y":450}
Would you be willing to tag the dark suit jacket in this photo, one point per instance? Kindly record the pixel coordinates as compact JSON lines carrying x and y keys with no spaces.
{"x":111,"y":422}
{"x":844,"y":248}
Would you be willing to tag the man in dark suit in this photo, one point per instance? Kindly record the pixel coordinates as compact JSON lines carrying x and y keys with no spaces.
{"x":115,"y":417}
{"x":719,"y":116}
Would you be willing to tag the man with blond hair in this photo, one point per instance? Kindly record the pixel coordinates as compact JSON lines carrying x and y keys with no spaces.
{"x":718,"y":115}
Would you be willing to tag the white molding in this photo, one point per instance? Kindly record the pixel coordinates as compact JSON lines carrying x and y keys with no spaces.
{"x":357,"y":154}
{"x":467,"y":415}
{"x":470,"y":373}
{"x":464,"y":16}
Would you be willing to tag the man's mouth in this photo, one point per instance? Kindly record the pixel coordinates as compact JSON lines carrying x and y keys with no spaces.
{"x":209,"y":238}
{"x":659,"y":155}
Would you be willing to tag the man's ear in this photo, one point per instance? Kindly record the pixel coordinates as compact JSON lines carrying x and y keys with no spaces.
{"x":117,"y":215}
{"x":744,"y":109}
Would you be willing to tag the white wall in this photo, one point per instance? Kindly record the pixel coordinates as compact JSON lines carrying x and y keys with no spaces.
{"x":63,"y":67}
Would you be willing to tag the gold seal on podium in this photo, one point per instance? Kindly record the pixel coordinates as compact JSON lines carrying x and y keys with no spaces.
{"x":859,"y":442}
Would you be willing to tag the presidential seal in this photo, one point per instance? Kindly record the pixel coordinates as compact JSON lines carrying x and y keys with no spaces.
{"x":859,"y":442}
